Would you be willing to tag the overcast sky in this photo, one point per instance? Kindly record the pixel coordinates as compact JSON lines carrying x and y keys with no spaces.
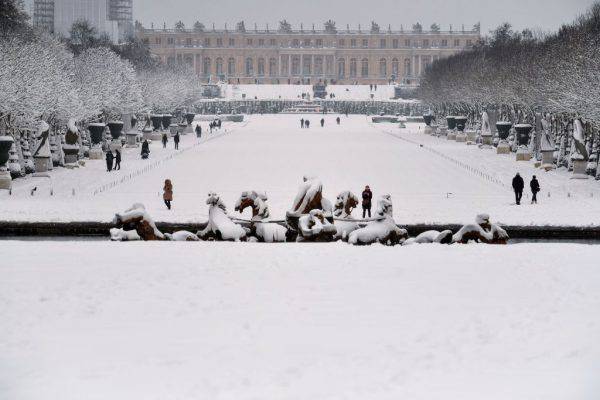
{"x":546,"y":15}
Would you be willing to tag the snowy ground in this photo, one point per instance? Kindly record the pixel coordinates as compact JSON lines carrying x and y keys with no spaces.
{"x":272,"y":153}
{"x":101,"y":320}
{"x":294,"y":92}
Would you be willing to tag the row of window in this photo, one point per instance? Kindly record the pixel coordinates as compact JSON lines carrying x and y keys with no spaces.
{"x":306,"y":67}
{"x":383,"y":43}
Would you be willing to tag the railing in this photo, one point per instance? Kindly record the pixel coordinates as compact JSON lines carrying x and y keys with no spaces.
{"x":308,"y":32}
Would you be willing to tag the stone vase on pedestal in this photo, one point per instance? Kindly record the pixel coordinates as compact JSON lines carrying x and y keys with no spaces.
{"x":116,"y":130}
{"x":503,"y":128}
{"x":156,"y":122}
{"x":6,"y":143}
{"x":523,"y":132}
{"x":451,"y":133}
{"x":189,"y":117}
{"x":461,"y":123}
{"x":71,"y":147}
{"x":166,"y":121}
{"x":96,"y":136}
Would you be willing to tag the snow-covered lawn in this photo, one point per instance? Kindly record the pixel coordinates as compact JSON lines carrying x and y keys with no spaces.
{"x":271,"y":153}
{"x":101,"y":320}
{"x":294,"y":92}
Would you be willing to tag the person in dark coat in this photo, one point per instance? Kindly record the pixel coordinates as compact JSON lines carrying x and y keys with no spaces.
{"x":109,"y":161}
{"x":117,"y":160}
{"x":337,"y":120}
{"x":322,"y":122}
{"x":176,"y":141}
{"x":198,"y":131}
{"x":145,"y":150}
{"x":518,"y":184}
{"x":367,"y":197}
{"x":307,"y":124}
{"x":302,"y":123}
{"x":535,"y":189}
{"x":168,"y":193}
{"x":165,"y":139}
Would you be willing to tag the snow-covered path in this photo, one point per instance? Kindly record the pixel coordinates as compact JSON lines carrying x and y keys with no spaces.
{"x":162,"y":321}
{"x":272,"y":153}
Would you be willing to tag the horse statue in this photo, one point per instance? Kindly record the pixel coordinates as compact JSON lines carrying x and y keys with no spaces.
{"x":345,"y":203}
{"x":315,"y":227}
{"x":383,"y":229}
{"x":260,"y":228}
{"x":309,"y":198}
{"x":137,"y":219}
{"x":220,"y":226}
{"x":444,"y":237}
{"x":482,"y":231}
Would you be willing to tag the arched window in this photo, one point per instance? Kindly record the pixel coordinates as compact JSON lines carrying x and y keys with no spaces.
{"x":219,"y":66}
{"x":296,"y":66}
{"x":249,"y":67}
{"x":318,"y":65}
{"x":382,"y":68}
{"x":395,"y":67}
{"x":261,"y":67}
{"x":341,"y":68}
{"x":273,"y":67}
{"x":353,"y":67}
{"x":231,"y":67}
{"x":206,"y":67}
{"x":407,"y":67}
{"x":364,"y":68}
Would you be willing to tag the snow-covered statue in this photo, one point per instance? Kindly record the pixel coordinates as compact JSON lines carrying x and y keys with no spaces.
{"x":220,"y":226}
{"x":71,"y":146}
{"x":547,"y":145}
{"x":444,"y":237}
{"x":315,"y":227}
{"x":42,"y":154}
{"x":345,"y":203}
{"x":579,"y":151}
{"x":260,"y":228}
{"x":137,"y":219}
{"x":309,"y":197}
{"x":383,"y":230}
{"x":482,"y":231}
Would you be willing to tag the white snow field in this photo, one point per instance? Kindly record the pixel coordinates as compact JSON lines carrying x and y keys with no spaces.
{"x":294,"y":92}
{"x":442,"y":182}
{"x":235,"y":321}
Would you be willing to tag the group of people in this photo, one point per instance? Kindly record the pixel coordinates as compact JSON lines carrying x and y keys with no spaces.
{"x":113,"y":161}
{"x":518,"y":185}
{"x":305,"y":123}
{"x":165,"y":140}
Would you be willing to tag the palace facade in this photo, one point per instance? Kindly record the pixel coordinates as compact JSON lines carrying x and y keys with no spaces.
{"x":287,"y":56}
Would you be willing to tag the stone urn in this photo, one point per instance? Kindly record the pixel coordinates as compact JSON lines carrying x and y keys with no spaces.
{"x":6,"y":143}
{"x":428,"y":119}
{"x":156,"y":122}
{"x":71,"y":147}
{"x":460,"y":123}
{"x":523,"y":132}
{"x":503,"y":128}
{"x":116,"y":131}
{"x":451,"y":122}
{"x":189,"y":117}
{"x":166,"y":121}
{"x":97,"y":136}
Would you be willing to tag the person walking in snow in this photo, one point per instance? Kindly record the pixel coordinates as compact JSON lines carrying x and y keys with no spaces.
{"x":302,"y":123}
{"x":337,"y":120}
{"x":535,"y":189}
{"x":109,"y":160}
{"x":198,"y":131}
{"x":307,"y":124}
{"x":176,"y":141}
{"x":145,"y":150}
{"x":322,"y":122}
{"x":168,"y":193}
{"x":165,"y":139}
{"x":117,"y":160}
{"x":367,"y":197}
{"x":518,"y":184}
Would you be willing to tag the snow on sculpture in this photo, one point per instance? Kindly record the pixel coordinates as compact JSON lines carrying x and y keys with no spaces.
{"x":444,"y":237}
{"x":220,"y":226}
{"x":345,"y":223}
{"x":315,"y":227}
{"x":547,"y":146}
{"x":482,"y":231}
{"x":137,"y":219}
{"x":309,"y":198}
{"x":263,"y":230}
{"x":383,"y":230}
{"x":579,"y":153}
